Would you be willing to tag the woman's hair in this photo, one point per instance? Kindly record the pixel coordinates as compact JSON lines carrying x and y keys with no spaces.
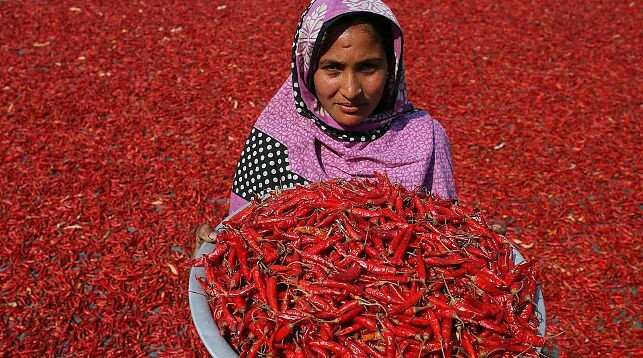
{"x":382,"y":29}
{"x":380,"y":24}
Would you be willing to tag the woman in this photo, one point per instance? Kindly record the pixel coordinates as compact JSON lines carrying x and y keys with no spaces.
{"x":343,"y":112}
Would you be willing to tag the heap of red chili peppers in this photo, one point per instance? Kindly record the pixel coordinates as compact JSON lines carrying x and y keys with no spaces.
{"x":368,"y":269}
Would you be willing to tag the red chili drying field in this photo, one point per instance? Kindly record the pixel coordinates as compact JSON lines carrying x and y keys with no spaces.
{"x":121,"y":124}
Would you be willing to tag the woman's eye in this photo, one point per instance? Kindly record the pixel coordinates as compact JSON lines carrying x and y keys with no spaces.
{"x":369,"y":68}
{"x":331,"y":68}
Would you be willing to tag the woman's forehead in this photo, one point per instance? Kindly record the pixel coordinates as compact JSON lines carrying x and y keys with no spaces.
{"x":345,"y":34}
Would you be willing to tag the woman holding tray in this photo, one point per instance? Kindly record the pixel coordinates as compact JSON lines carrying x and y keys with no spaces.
{"x":343,"y":111}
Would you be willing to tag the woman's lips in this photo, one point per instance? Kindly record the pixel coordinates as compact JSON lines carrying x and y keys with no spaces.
{"x":349,"y":108}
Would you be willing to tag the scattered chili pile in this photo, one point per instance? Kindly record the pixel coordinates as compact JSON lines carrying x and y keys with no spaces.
{"x":368,"y":269}
{"x":121,"y":124}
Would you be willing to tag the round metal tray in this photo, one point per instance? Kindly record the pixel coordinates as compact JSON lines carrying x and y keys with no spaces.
{"x":220,"y":348}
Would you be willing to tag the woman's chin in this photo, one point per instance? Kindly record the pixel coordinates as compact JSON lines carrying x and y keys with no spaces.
{"x":348,"y":121}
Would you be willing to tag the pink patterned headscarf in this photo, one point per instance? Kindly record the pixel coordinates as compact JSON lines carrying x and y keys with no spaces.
{"x":319,"y":16}
{"x":295,"y":141}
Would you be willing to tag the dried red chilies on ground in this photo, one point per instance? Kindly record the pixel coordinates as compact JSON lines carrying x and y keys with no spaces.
{"x":122,"y":123}
{"x":349,"y":268}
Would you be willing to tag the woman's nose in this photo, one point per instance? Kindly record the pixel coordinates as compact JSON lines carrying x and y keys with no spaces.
{"x":351,"y":87}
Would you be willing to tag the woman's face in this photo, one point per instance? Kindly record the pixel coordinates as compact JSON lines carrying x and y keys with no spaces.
{"x":351,"y":74}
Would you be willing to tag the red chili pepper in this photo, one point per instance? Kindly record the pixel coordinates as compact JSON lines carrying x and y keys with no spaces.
{"x":368,"y":323}
{"x":352,"y":233}
{"x":252,"y":238}
{"x":411,"y":301}
{"x":374,"y":267}
{"x":241,"y":253}
{"x":353,"y":328}
{"x":209,"y":290}
{"x":391,"y":215}
{"x":415,"y":321}
{"x":395,"y":242}
{"x":354,"y":348}
{"x":241,"y":292}
{"x":321,"y":290}
{"x":342,"y":285}
{"x":406,"y":331}
{"x":487,"y":323}
{"x":279,"y":222}
{"x":281,"y":269}
{"x":254,"y":349}
{"x":303,"y":305}
{"x":259,"y":283}
{"x":372,"y":352}
{"x":322,"y":303}
{"x":365,"y":213}
{"x":299,"y":353}
{"x":467,"y":344}
{"x":377,"y":201}
{"x":240,"y":217}
{"x":399,"y":204}
{"x":324,"y":244}
{"x":316,"y":259}
{"x":422,"y":349}
{"x":330,"y":217}
{"x":283,"y":332}
{"x":213,"y":256}
{"x":229,"y":318}
{"x":435,"y":324}
{"x":310,"y":230}
{"x":326,"y":331}
{"x":446,"y":326}
{"x":385,"y":278}
{"x":371,"y":251}
{"x":527,"y":337}
{"x":479,"y":253}
{"x":389,"y":229}
{"x":466,"y":310}
{"x":451,"y":260}
{"x":330,"y":346}
{"x":419,"y":207}
{"x":269,"y":253}
{"x":392,"y":196}
{"x":271,"y":292}
{"x":319,"y":352}
{"x":525,"y":312}
{"x":312,"y":219}
{"x":400,"y":250}
{"x":292,"y":316}
{"x":451,"y":273}
{"x":349,"y":315}
{"x":421,"y":268}
{"x":390,"y":345}
{"x":395,"y":291}
{"x":371,"y":292}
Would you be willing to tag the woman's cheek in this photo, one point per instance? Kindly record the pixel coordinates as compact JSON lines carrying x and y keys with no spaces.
{"x":323,"y":85}
{"x":378,"y":83}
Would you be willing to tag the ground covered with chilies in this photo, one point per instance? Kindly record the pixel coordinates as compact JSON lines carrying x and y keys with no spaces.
{"x":121,"y":124}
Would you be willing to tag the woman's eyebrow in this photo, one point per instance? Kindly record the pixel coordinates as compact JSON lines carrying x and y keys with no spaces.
{"x":370,"y":60}
{"x":376,"y":60}
{"x":329,"y":61}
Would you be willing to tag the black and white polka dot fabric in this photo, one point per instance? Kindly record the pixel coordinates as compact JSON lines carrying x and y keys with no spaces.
{"x":369,"y":136}
{"x":263,"y":166}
